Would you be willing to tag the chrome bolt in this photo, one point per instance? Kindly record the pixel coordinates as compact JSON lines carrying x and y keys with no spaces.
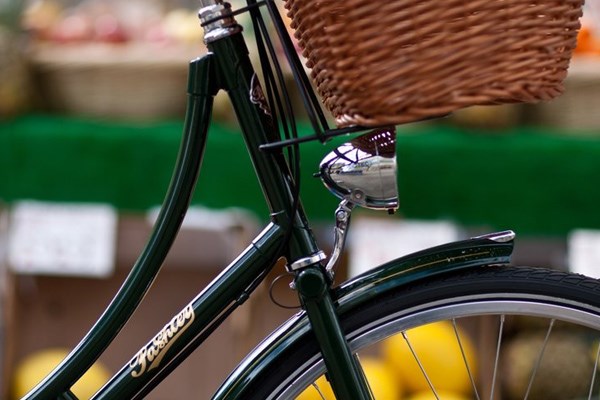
{"x":341,"y":215}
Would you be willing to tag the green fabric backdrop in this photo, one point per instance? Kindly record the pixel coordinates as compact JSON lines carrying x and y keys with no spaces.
{"x":526,"y":179}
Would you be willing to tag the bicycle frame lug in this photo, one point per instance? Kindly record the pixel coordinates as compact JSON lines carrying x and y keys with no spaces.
{"x":202,"y":77}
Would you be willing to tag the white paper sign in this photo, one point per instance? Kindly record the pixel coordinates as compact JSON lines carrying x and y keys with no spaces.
{"x":584,"y":252}
{"x":62,"y":239}
{"x":375,"y":241}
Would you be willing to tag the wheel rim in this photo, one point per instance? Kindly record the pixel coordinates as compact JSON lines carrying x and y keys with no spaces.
{"x":455,"y":309}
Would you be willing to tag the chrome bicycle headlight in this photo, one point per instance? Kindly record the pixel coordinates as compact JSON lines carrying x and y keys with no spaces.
{"x":363,"y":171}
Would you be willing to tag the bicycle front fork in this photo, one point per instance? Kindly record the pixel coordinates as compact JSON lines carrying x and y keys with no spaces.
{"x":343,"y":369}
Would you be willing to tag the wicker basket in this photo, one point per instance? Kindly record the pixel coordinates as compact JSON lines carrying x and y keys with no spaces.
{"x":128,"y":81}
{"x":396,"y":61}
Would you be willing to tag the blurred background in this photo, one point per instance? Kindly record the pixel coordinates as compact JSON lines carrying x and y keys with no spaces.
{"x":92,"y":99}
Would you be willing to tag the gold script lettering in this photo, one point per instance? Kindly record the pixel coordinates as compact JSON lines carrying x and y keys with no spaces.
{"x":150,"y":356}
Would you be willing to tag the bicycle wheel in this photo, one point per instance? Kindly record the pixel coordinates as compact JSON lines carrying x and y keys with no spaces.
{"x":534,"y":333}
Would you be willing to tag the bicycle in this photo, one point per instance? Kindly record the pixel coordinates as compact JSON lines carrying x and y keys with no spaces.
{"x":452,"y":282}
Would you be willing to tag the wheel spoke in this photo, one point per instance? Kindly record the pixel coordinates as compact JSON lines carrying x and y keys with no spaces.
{"x":412,"y":350}
{"x":497,"y":358}
{"x":316,"y":387}
{"x":539,"y":359}
{"x":464,"y":357}
{"x":594,"y":372}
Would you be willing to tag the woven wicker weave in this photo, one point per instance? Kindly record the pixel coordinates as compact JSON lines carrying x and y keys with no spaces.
{"x":395,"y":61}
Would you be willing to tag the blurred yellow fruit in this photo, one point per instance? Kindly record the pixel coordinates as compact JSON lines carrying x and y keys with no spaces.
{"x":380,"y":376}
{"x":35,"y":367}
{"x":439,"y":352}
{"x":382,"y":379}
{"x":40,"y":16}
{"x":443,"y":395}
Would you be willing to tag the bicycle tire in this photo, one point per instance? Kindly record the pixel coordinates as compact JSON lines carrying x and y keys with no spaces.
{"x":491,"y":291}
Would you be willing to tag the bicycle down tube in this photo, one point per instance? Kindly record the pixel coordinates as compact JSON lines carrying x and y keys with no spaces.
{"x":227,"y":67}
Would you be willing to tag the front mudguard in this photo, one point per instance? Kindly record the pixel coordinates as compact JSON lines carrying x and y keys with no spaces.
{"x":490,"y":249}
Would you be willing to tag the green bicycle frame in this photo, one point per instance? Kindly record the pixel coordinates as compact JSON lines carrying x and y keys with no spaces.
{"x":227,"y":67}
